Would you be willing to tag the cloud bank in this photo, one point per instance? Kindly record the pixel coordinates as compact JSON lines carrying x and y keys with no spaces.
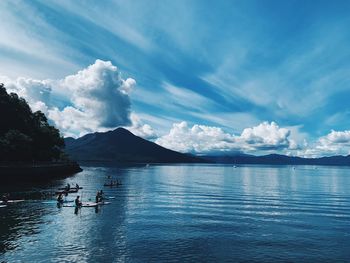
{"x":94,"y":99}
{"x":201,"y":139}
{"x":97,"y":98}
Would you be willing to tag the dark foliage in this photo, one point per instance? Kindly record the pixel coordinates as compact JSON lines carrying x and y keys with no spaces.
{"x":24,"y":135}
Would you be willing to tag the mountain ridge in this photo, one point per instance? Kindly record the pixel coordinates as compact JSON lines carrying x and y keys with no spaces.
{"x":279,"y":159}
{"x":122,"y":146}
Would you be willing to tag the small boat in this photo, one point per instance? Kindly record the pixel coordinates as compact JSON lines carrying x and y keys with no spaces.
{"x":2,"y":206}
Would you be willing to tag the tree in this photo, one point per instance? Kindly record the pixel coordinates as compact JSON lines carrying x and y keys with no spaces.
{"x":25,"y":135}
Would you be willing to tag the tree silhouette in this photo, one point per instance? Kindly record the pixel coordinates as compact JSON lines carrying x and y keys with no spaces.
{"x":24,"y":135}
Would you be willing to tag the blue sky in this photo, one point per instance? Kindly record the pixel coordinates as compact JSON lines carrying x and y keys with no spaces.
{"x":252,"y":76}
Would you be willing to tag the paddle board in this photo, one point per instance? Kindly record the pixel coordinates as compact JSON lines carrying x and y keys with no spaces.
{"x":55,"y":201}
{"x":69,"y":192}
{"x":111,"y":185}
{"x":72,"y":188}
{"x":89,"y":204}
{"x":12,"y":201}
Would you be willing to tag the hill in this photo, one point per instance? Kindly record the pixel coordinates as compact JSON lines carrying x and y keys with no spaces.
{"x":277,"y":159}
{"x":122,"y":146}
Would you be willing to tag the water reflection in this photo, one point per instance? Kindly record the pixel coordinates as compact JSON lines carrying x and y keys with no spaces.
{"x":187,"y":213}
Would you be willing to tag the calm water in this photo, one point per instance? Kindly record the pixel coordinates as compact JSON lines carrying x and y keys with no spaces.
{"x":187,"y":213}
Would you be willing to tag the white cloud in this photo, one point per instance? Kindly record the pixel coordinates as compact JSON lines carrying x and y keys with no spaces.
{"x":140,"y":129}
{"x":335,"y":142}
{"x":100,"y":93}
{"x":202,"y":139}
{"x":267,"y":136}
{"x":97,"y":98}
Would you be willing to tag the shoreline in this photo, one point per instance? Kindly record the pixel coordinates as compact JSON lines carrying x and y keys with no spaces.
{"x":38,"y":171}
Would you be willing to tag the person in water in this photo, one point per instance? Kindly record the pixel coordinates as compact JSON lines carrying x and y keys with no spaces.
{"x":102,"y":196}
{"x":97,"y":199}
{"x":60,"y":198}
{"x":77,"y":202}
{"x":5,"y":198}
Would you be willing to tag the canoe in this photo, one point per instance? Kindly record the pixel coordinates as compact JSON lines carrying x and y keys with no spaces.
{"x":72,"y":188}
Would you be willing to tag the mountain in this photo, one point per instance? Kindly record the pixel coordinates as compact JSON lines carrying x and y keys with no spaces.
{"x":122,"y":146}
{"x":277,"y":159}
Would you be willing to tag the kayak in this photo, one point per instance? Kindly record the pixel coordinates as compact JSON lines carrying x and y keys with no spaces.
{"x":89,"y":204}
{"x":72,"y":188}
{"x":12,"y":201}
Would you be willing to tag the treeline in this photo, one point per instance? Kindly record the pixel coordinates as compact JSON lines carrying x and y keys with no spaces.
{"x":26,"y":135}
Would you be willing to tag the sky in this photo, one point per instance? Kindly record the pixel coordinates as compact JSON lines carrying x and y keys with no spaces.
{"x":202,"y":77}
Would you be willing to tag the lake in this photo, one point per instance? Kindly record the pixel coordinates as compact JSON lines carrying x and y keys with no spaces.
{"x":185,"y":213}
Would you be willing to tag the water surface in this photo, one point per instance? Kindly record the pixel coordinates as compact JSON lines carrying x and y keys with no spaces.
{"x":186,"y":213}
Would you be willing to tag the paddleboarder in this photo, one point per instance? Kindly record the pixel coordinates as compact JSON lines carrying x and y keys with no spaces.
{"x":98,"y":198}
{"x":78,"y":202}
{"x":5,"y":198}
{"x":60,"y":198}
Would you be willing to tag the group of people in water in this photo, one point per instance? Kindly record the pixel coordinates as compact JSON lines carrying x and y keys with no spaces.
{"x":100,"y":197}
{"x":78,"y":203}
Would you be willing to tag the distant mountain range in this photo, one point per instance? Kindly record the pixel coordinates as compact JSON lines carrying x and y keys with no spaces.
{"x":277,"y":159}
{"x":121,"y":145}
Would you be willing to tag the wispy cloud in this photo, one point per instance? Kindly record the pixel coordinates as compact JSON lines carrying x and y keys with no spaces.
{"x":228,"y":64}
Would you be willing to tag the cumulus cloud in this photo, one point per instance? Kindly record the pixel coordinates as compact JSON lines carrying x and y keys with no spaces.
{"x":196,"y":139}
{"x":335,"y":142}
{"x":140,"y":129}
{"x":266,"y":136}
{"x":98,"y":98}
{"x":36,"y":92}
{"x":201,"y":139}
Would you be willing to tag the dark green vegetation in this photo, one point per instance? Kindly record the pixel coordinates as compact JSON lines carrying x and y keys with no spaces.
{"x":122,"y":146}
{"x":26,"y":135}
